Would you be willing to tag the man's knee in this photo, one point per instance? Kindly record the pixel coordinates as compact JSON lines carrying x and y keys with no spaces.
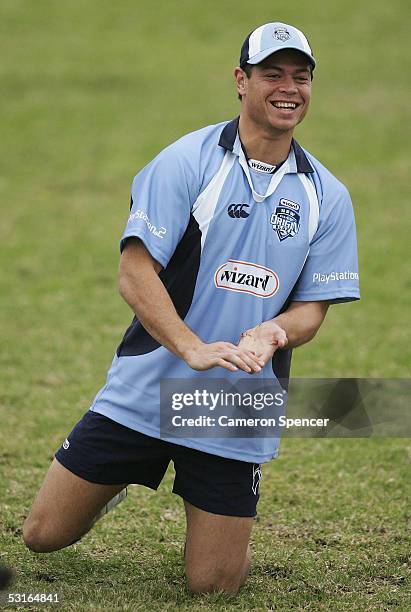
{"x":38,"y":538}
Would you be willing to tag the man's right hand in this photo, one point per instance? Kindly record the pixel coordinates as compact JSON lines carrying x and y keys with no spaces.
{"x":205,"y":356}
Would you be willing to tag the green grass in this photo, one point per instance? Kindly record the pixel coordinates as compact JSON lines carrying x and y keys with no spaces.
{"x":331,"y":535}
{"x":90,"y":92}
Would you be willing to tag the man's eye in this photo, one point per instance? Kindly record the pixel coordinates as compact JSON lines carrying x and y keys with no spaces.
{"x":301,"y":79}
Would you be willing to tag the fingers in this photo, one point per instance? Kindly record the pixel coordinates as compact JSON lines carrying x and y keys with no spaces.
{"x":226,"y":355}
{"x":248,"y":355}
{"x":226,"y":364}
{"x":244,"y":359}
{"x":229,"y":364}
{"x":252,"y":361}
{"x":237,"y":349}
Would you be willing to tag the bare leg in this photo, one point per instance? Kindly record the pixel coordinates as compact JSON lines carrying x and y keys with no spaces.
{"x":217,"y":553}
{"x":64,"y":509}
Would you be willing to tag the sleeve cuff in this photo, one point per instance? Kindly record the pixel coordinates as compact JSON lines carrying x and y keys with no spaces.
{"x":156,"y":253}
{"x":335,"y":297}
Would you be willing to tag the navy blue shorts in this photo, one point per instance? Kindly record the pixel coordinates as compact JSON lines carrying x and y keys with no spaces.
{"x":105,"y":452}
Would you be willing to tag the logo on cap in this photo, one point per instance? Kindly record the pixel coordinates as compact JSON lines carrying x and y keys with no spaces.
{"x":281,"y":34}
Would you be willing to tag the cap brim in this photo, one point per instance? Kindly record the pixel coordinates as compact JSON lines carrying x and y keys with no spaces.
{"x":259,"y":57}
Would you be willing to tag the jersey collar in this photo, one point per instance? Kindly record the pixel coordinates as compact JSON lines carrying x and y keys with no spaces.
{"x":298,"y":161}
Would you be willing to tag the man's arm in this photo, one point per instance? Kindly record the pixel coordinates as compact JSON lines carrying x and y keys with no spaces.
{"x":301,"y":321}
{"x":294,"y":327}
{"x":143,"y":290}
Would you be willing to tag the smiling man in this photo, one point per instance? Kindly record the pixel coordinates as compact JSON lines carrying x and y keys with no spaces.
{"x":276,"y":95}
{"x":237,"y":242}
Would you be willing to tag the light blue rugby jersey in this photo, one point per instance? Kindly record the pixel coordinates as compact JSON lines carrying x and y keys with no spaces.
{"x":236,"y":245}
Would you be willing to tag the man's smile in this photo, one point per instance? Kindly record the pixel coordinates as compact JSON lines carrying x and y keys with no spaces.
{"x":284,"y":105}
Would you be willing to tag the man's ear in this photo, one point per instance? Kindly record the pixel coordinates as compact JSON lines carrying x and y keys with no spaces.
{"x":240,"y":81}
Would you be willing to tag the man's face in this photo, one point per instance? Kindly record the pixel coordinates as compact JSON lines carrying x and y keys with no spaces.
{"x":277,"y":94}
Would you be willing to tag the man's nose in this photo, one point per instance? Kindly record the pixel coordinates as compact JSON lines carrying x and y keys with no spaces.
{"x":288,"y":85}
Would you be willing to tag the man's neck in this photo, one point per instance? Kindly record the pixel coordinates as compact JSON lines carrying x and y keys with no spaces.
{"x":270,"y":148}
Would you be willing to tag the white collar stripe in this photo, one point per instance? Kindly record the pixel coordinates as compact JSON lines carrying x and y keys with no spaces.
{"x":275,"y":180}
{"x":204,"y":207}
{"x":314,"y":206}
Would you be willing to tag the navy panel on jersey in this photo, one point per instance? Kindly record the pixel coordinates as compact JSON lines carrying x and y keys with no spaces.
{"x":179,"y":278}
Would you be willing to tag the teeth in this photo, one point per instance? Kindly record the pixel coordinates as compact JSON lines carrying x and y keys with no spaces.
{"x":285,"y":105}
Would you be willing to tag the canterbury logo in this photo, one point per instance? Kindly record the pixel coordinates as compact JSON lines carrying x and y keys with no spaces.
{"x":257,"y":475}
{"x":247,"y":277}
{"x":236,"y":211}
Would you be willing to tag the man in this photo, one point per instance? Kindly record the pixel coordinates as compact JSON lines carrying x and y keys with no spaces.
{"x":234,"y":231}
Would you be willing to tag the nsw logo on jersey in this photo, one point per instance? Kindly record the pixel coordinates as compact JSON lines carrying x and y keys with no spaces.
{"x":247,"y":277}
{"x":286,"y":219}
{"x":237,"y":211}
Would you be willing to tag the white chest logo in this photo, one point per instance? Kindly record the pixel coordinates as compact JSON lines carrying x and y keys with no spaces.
{"x":247,"y":277}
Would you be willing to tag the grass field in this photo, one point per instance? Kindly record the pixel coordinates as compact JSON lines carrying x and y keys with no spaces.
{"x":91,"y":91}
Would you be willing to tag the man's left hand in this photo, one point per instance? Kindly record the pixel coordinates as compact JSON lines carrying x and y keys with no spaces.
{"x":264,"y":340}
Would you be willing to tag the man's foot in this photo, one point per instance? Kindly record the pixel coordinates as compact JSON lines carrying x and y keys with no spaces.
{"x":114,"y":501}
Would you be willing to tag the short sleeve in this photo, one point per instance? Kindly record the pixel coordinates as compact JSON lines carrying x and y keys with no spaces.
{"x":331,"y":268}
{"x":161,"y":198}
